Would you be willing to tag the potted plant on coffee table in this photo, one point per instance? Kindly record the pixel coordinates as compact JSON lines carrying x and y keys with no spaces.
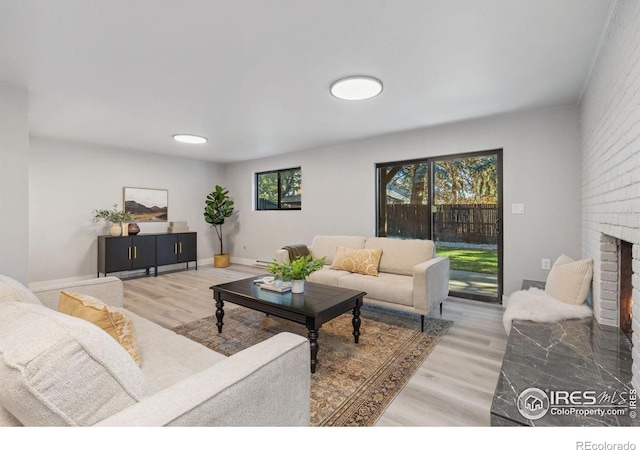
{"x":296,"y":271}
{"x":219,"y":207}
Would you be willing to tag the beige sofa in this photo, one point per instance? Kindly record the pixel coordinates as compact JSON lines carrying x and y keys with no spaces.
{"x":56,"y":370}
{"x":410,"y":276}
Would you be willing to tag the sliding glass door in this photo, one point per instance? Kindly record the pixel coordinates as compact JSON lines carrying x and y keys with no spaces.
{"x":456,"y":202}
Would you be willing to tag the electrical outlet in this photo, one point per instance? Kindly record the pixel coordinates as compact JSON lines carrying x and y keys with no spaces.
{"x":546,"y":264}
{"x":517,"y":208}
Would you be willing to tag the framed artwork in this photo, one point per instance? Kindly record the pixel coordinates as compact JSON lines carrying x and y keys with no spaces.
{"x":147,"y":205}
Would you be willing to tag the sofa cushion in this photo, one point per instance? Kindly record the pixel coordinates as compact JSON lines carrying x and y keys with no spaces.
{"x":327,"y":276}
{"x":387,"y":287}
{"x":363,"y":261}
{"x":569,"y":281}
{"x":400,"y":255}
{"x":13,"y":291}
{"x":167,"y":357}
{"x":110,"y":319}
{"x":326,"y":246}
{"x":60,"y":370}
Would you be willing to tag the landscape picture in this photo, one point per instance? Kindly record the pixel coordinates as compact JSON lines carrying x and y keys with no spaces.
{"x":147,"y":205}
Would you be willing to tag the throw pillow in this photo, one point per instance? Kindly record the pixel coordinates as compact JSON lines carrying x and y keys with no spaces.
{"x":363,"y":261}
{"x":569,"y":281}
{"x":60,"y":370}
{"x":112,"y":320}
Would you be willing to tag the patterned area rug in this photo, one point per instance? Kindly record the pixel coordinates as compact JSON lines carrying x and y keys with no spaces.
{"x":353,"y":383}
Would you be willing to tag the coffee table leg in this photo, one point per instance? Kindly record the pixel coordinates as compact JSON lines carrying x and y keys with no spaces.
{"x":219,"y":313}
{"x":313,"y":343}
{"x":356,"y":322}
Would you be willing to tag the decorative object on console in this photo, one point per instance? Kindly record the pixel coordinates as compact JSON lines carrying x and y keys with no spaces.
{"x":178,"y":227}
{"x":296,"y":271}
{"x":219,"y":207}
{"x":116,"y":217}
{"x":133,"y":229}
{"x":146,"y":205}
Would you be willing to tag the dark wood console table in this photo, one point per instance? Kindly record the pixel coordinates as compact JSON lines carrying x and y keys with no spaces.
{"x":146,"y":251}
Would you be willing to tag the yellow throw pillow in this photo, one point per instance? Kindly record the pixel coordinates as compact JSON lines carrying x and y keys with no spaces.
{"x":112,"y":320}
{"x":363,"y":261}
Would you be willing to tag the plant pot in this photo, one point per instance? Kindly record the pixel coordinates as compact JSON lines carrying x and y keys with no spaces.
{"x":116,"y":229}
{"x":297,"y":286}
{"x":221,"y":260}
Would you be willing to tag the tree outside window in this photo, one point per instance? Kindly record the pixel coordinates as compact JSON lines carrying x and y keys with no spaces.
{"x":279,"y":189}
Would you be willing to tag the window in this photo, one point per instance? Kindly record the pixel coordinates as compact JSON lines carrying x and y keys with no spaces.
{"x":279,"y":189}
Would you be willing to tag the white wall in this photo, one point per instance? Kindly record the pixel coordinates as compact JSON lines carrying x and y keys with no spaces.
{"x":541,"y":169}
{"x":68,"y":181}
{"x":610,"y":128}
{"x":14,"y":186}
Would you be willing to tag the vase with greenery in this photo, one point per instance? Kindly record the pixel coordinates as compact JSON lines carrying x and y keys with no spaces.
{"x":115,"y":216}
{"x":218,"y":208}
{"x":296,"y":271}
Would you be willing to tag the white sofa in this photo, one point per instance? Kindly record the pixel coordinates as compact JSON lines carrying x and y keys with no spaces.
{"x":410,"y":276}
{"x":57,"y":370}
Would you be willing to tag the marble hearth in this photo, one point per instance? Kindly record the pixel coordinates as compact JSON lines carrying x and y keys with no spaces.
{"x":572,"y":356}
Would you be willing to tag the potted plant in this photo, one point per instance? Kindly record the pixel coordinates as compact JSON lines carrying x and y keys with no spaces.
{"x":296,"y":271}
{"x":116,"y":217}
{"x":218,"y":208}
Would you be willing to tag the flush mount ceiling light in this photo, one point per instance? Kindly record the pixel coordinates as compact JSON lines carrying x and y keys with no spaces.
{"x":189,"y":138}
{"x":356,"y":88}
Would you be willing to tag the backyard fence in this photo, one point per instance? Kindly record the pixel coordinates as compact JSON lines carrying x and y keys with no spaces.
{"x":473,"y":224}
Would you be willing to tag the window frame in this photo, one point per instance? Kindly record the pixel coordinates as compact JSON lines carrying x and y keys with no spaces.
{"x":279,"y":173}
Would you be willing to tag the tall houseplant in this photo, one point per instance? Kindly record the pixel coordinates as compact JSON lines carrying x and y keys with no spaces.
{"x":219,"y":207}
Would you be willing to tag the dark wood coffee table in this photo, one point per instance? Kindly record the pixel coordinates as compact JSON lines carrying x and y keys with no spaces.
{"x":317,"y":305}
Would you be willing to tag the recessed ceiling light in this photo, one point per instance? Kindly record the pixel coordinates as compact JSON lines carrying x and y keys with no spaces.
{"x":356,"y":88}
{"x":189,"y":138}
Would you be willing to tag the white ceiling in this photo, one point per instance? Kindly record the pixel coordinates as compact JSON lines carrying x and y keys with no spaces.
{"x":254,"y":75}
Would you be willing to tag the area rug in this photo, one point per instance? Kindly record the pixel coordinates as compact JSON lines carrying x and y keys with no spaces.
{"x":353,"y":383}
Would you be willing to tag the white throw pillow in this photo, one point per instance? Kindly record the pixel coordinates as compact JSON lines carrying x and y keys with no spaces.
{"x":61,"y":370}
{"x":569,"y":281}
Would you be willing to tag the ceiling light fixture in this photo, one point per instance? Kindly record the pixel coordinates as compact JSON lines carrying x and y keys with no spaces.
{"x":190,"y":138}
{"x":356,"y":88}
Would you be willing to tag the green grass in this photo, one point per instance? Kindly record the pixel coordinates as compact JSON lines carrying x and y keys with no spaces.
{"x":470,"y":260}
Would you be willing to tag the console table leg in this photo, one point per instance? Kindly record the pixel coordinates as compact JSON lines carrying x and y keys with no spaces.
{"x":313,"y":344}
{"x":356,"y":323}
{"x":219,"y":313}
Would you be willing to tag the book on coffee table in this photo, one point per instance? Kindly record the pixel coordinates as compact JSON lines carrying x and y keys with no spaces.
{"x":273,"y":287}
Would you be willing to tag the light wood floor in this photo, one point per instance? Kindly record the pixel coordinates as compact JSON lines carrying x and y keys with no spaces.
{"x":453,"y":387}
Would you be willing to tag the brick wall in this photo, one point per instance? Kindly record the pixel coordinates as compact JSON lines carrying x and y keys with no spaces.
{"x":610,"y":133}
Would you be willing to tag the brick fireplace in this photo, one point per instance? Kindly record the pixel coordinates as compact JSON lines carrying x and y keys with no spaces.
{"x":615,"y":288}
{"x":615,"y":283}
{"x":610,"y":191}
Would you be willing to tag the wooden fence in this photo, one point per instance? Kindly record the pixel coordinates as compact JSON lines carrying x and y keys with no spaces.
{"x":473,"y":224}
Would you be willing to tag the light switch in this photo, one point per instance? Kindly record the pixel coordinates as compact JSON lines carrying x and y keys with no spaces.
{"x":517,"y":208}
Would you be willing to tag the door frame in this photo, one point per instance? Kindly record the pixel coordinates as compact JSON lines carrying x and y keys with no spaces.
{"x":500,"y":220}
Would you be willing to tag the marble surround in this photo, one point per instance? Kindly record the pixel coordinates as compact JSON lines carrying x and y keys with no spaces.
{"x":571,"y":355}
